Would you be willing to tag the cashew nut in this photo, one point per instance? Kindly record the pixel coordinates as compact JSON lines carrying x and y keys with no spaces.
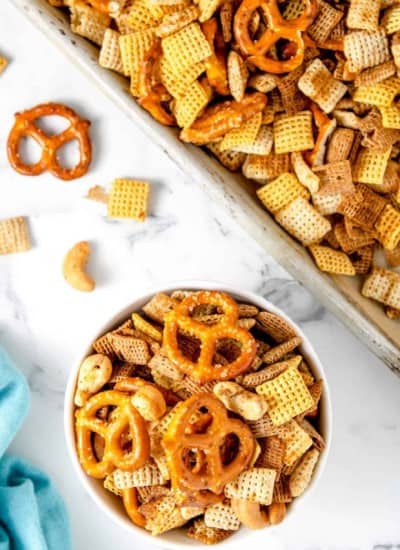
{"x":236,"y":399}
{"x":94,"y":373}
{"x":74,"y":266}
{"x":150,"y":403}
{"x":250,"y":513}
{"x":277,"y":512}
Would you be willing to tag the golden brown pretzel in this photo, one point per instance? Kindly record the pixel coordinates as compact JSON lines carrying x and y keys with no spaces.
{"x":131,"y":503}
{"x":216,"y":70}
{"x":278,"y":28}
{"x":213,"y":473}
{"x":125,"y":419}
{"x":219,"y":119}
{"x":24,"y":126}
{"x":205,"y":369}
{"x":152,"y":94}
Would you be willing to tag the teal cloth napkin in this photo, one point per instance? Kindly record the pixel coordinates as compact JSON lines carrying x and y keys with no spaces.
{"x":32,"y":514}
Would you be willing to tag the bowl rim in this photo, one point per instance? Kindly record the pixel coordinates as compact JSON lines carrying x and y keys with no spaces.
{"x":140,"y":298}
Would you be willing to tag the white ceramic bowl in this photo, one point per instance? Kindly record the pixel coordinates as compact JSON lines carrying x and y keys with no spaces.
{"x":111,"y":504}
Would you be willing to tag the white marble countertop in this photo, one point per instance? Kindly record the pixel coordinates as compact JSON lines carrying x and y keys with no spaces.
{"x":44,"y":323}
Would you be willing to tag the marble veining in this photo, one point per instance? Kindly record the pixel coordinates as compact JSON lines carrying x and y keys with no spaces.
{"x":44,"y":324}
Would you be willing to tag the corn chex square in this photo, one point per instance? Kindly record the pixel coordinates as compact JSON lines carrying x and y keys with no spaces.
{"x":293,"y":132}
{"x":318,"y":84}
{"x":221,"y":516}
{"x":110,"y":53}
{"x":230,"y":159}
{"x":301,"y":477}
{"x":145,"y":476}
{"x":381,"y":94}
{"x":282,"y":191}
{"x":370,"y":166}
{"x":287,"y":396}
{"x":297,"y":442}
{"x":388,"y":227}
{"x":128,"y":199}
{"x":303,"y":221}
{"x":363,"y":15}
{"x":186,"y":47}
{"x":390,"y":117}
{"x":332,"y":261}
{"x":256,"y":485}
{"x":89,"y":23}
{"x":178,"y":83}
{"x":391,"y":20}
{"x":141,"y":16}
{"x":383,"y":286}
{"x":245,"y":135}
{"x":262,"y":145}
{"x":133,"y":49}
{"x":14,"y":235}
{"x":365,"y":49}
{"x":189,"y":106}
{"x":327,"y":19}
{"x":264,"y":168}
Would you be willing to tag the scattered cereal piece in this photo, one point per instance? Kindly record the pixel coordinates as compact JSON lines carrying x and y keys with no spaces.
{"x":128,"y":199}
{"x":14,"y":235}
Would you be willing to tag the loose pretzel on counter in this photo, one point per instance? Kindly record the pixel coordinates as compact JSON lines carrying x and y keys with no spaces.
{"x":278,"y":28}
{"x":24,"y":126}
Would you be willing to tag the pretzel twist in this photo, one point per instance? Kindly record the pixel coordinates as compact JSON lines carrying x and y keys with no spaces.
{"x":24,"y":126}
{"x":152,"y":95}
{"x":125,"y":419}
{"x":204,"y":369}
{"x":278,"y":28}
{"x":219,"y":119}
{"x":209,"y":473}
{"x":216,"y":71}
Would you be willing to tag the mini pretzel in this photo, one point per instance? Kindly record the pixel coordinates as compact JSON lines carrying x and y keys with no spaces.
{"x":278,"y":28}
{"x":216,"y":64}
{"x":152,"y":95}
{"x":219,"y":119}
{"x":131,"y":503}
{"x":125,"y":418}
{"x":179,"y":439}
{"x":24,"y":126}
{"x":204,"y":369}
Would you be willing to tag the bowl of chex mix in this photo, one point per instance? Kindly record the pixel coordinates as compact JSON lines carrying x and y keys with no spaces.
{"x":199,"y":414}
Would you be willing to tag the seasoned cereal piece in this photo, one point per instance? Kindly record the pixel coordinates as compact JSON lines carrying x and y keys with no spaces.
{"x":159,"y":305}
{"x":255,"y":485}
{"x":265,"y":168}
{"x":318,"y":84}
{"x":301,"y":477}
{"x":293,"y":133}
{"x":365,"y":49}
{"x":332,"y":261}
{"x":207,"y":535}
{"x":128,"y":199}
{"x":254,"y":379}
{"x":14,"y":235}
{"x":280,"y":192}
{"x":287,"y":396}
{"x":303,"y":221}
{"x":110,"y":53}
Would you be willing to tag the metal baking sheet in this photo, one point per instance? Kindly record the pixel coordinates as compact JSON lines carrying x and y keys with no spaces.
{"x":233,"y":192}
